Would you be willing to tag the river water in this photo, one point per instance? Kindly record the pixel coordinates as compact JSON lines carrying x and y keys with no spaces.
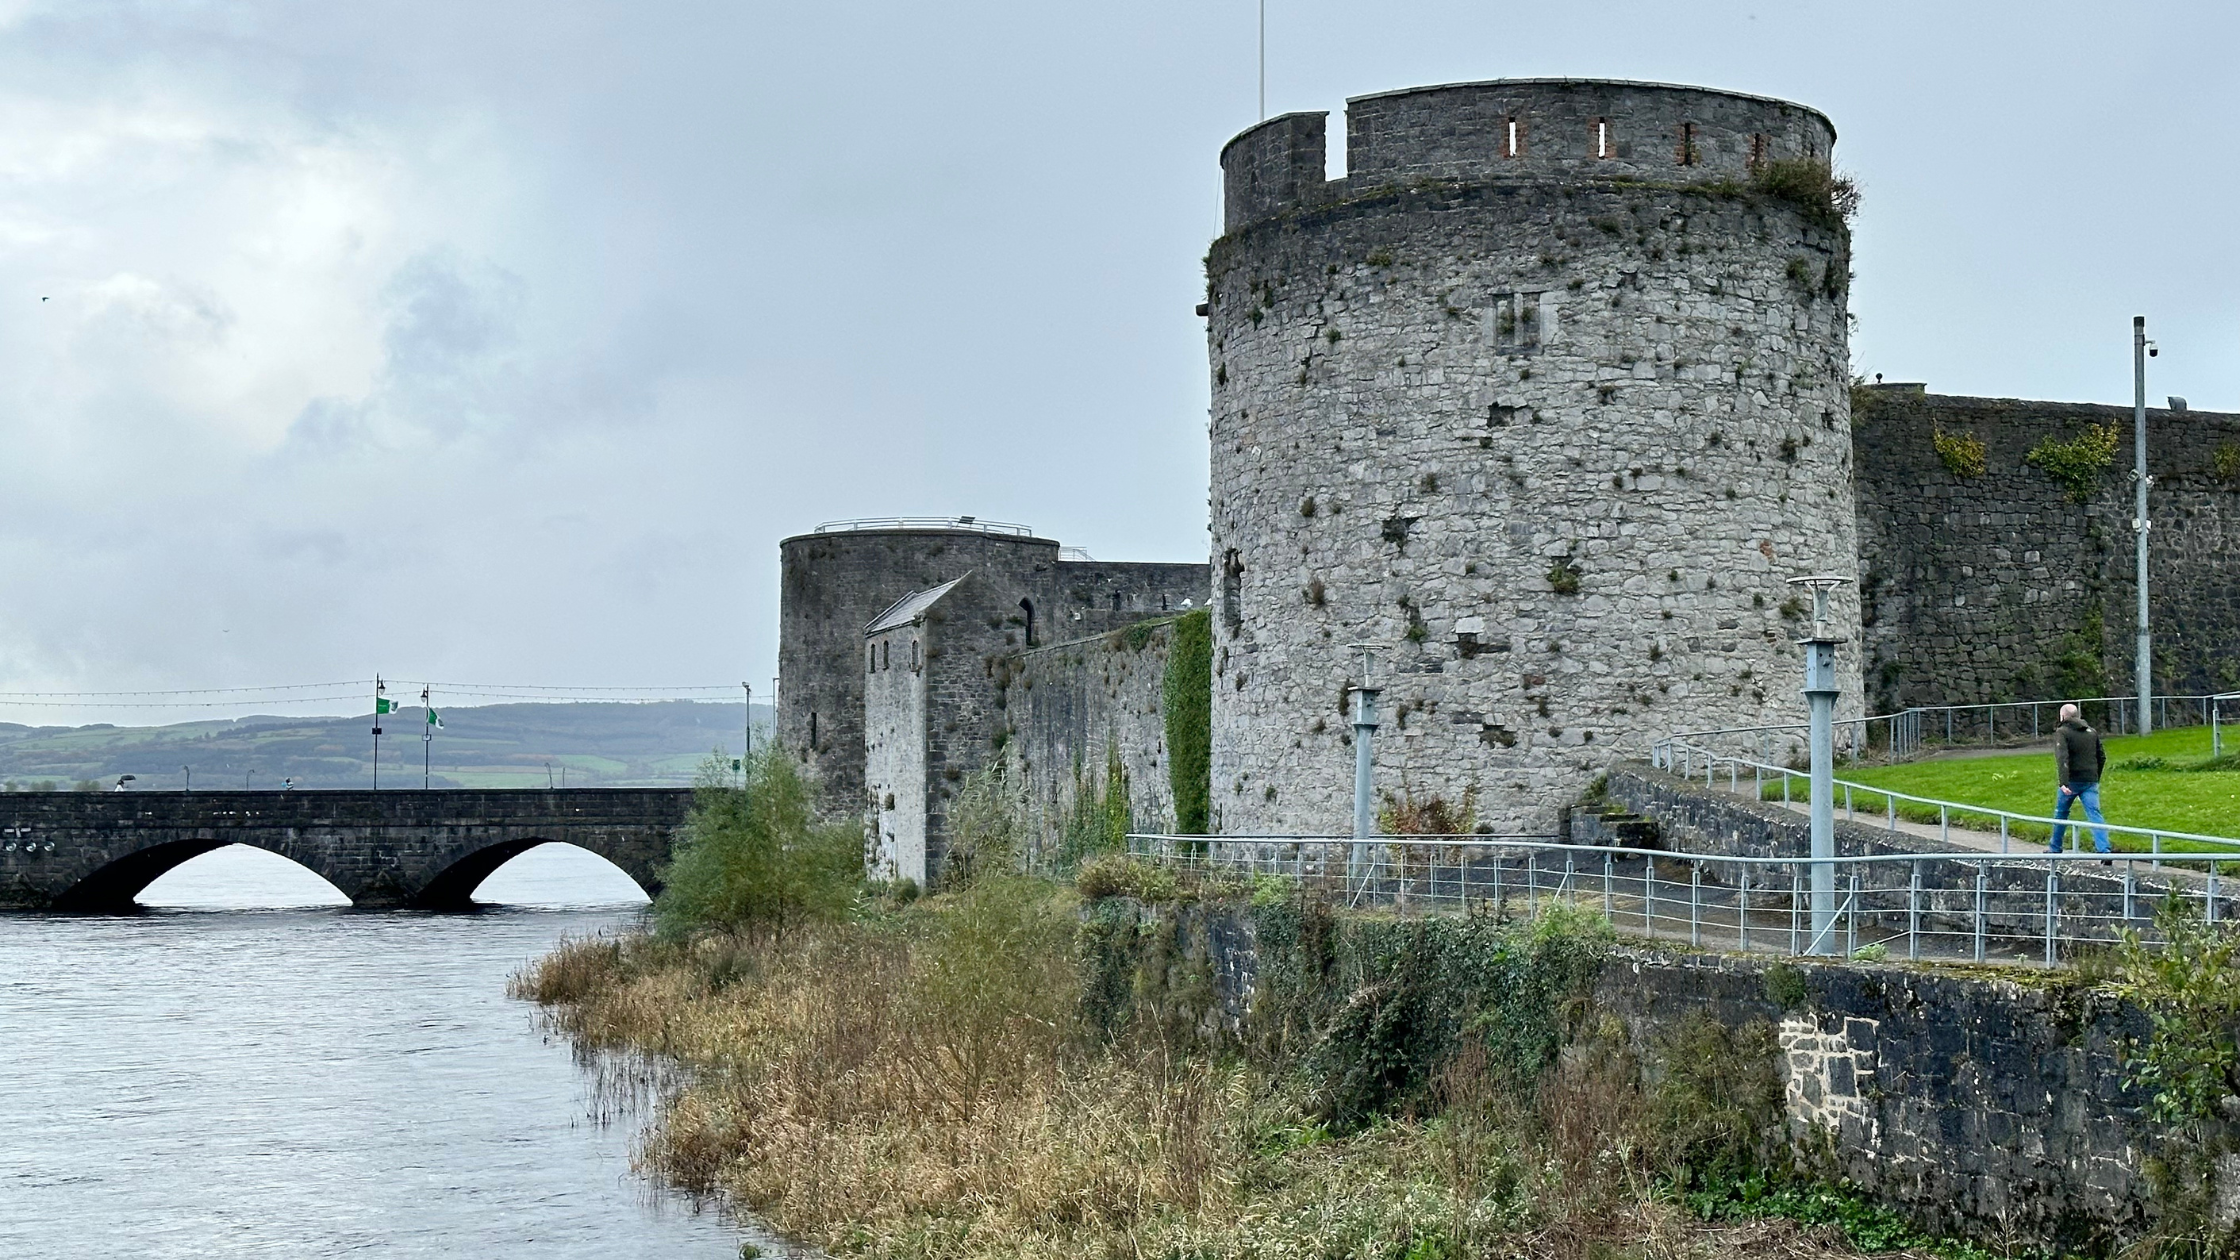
{"x":213,"y":1080}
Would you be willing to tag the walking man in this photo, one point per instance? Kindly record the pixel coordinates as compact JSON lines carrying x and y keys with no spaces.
{"x":2078,"y":759}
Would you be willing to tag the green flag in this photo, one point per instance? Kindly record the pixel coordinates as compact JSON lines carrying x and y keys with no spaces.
{"x":435,"y":720}
{"x":383,"y":704}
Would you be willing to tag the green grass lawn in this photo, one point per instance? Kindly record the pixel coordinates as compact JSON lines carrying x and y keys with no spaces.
{"x":2149,"y":783}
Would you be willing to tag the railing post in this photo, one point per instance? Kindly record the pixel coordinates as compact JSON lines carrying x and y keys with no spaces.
{"x":1944,"y":824}
{"x":1796,"y":905}
{"x":1609,"y":913}
{"x":1532,"y":883}
{"x":1981,"y":883}
{"x":1849,"y":814}
{"x":2212,"y":892}
{"x":1649,"y":898}
{"x":2053,"y":885}
{"x":1695,"y":903}
{"x":2130,"y":888}
{"x":1913,"y":915}
{"x":1742,"y":910}
{"x":1891,"y":803}
{"x":2002,"y":833}
{"x":1851,"y":921}
{"x":1758,"y":778}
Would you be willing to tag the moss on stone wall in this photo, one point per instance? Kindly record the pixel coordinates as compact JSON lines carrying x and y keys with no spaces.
{"x":1187,"y":704}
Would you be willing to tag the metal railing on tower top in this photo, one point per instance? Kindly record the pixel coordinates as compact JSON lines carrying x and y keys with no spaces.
{"x":971,"y":523}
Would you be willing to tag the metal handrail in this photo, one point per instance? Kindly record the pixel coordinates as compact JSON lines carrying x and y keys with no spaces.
{"x":1712,"y":761}
{"x":1961,"y":906}
{"x":971,"y":523}
{"x":1909,"y":724}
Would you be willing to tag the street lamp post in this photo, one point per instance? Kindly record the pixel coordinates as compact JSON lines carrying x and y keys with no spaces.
{"x":1364,"y":732}
{"x":1820,"y":691}
{"x":2141,"y":348}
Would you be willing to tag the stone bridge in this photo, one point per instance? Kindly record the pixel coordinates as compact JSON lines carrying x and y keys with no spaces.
{"x":97,"y":850}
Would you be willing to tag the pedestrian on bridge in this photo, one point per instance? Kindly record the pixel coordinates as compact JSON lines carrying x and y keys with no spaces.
{"x":2078,"y":759}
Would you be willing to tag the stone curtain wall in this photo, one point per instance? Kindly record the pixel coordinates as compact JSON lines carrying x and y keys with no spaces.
{"x":1093,"y":596}
{"x":1989,"y":1108}
{"x":1067,"y":705}
{"x":1551,"y":442}
{"x":1985,"y":1107}
{"x":1982,"y":588}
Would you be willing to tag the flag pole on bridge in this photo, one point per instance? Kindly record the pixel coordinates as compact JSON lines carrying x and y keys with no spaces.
{"x":380,"y":706}
{"x":428,"y":735}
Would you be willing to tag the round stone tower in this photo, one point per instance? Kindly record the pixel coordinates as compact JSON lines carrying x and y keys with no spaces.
{"x":1544,"y":400}
{"x":834,"y":581}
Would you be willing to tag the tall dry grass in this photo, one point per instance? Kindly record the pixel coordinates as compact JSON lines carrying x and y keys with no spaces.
{"x":921,"y":1084}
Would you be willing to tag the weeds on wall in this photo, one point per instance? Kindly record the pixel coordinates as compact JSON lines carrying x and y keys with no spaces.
{"x":1563,"y":575}
{"x":2076,"y":464}
{"x":1101,"y":817}
{"x":2224,"y":463}
{"x":1186,"y":704}
{"x":1828,"y":200}
{"x":1963,"y":453}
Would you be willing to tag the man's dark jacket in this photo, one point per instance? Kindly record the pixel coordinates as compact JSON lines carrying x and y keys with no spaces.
{"x":2077,"y":754}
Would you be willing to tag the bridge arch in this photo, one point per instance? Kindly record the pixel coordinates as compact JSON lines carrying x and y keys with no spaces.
{"x":454,"y":887}
{"x":117,"y":885}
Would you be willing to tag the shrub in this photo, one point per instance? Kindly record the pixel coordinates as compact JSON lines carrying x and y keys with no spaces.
{"x":985,"y":822}
{"x":2225,"y":462}
{"x":1962,"y":453}
{"x":2077,"y":464}
{"x":1119,"y":875}
{"x":757,"y":856}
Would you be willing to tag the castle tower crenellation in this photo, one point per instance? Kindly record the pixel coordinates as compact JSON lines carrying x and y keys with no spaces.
{"x":1522,"y":130}
{"x":1542,"y":397}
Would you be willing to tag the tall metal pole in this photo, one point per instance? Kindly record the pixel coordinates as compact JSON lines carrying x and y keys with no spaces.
{"x":2139,"y":522}
{"x":1263,"y":60}
{"x":427,"y":735}
{"x":1364,"y":733}
{"x":1820,"y":692}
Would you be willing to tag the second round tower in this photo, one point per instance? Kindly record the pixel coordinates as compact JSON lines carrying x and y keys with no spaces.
{"x":1543,"y":401}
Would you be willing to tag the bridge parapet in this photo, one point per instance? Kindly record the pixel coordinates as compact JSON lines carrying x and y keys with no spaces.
{"x":97,"y":850}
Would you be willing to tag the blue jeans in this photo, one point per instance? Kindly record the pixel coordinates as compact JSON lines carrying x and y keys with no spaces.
{"x":2089,"y":793}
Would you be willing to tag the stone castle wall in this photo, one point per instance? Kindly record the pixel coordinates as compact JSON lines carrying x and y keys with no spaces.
{"x":2001,"y":586}
{"x":1069,"y":705}
{"x":1551,"y":441}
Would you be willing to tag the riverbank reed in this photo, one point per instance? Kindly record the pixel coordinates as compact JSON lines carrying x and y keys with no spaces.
{"x":1019,"y":1068}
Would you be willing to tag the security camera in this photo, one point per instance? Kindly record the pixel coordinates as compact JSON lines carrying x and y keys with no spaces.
{"x":2154,"y":352}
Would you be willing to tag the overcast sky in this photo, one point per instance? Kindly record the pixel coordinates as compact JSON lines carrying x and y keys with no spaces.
{"x":502,"y":342}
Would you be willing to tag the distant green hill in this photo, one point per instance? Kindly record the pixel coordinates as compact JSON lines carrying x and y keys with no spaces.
{"x":499,"y":745}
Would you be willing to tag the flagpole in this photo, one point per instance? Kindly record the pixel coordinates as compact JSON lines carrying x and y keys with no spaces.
{"x":427,"y":737}
{"x":379,"y":687}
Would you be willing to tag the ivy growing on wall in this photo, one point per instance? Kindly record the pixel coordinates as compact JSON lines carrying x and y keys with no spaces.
{"x":1187,"y":704}
{"x":2077,"y":463}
